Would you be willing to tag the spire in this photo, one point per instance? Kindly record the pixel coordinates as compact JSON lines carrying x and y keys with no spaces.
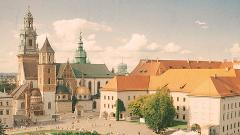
{"x":80,"y":40}
{"x":47,"y":47}
{"x":80,"y":55}
{"x":28,"y":19}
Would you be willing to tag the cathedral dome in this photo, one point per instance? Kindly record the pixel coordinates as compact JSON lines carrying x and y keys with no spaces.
{"x":83,"y":91}
{"x":36,"y":92}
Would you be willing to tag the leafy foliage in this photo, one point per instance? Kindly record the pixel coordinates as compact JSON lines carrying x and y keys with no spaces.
{"x":157,"y":109}
{"x":7,"y":86}
{"x":119,"y":108}
{"x":137,"y":106}
{"x":2,"y":129}
{"x":74,"y":102}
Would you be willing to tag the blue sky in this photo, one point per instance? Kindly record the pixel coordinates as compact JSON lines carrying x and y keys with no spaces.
{"x":128,"y":29}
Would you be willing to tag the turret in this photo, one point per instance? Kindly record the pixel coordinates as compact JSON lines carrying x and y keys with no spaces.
{"x":46,"y":54}
{"x":81,"y":55}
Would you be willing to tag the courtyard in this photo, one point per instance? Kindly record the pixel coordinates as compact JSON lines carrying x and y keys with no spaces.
{"x":90,"y":122}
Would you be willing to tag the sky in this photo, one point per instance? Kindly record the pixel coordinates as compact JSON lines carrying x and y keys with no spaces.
{"x":125,"y":30}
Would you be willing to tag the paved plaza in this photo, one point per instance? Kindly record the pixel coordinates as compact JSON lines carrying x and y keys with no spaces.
{"x":68,"y":122}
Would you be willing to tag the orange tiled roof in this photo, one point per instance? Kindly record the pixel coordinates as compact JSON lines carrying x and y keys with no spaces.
{"x":125,"y":83}
{"x":157,"y":67}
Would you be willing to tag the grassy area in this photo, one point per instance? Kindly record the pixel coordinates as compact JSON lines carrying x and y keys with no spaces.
{"x":179,"y":125}
{"x":57,"y":132}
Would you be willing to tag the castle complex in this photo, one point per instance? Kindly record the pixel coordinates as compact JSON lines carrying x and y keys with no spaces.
{"x":46,"y":88}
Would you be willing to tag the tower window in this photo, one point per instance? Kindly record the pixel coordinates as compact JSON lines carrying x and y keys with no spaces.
{"x":49,"y":58}
{"x":49,"y":70}
{"x":49,"y":105}
{"x":30,"y":42}
{"x":49,"y":81}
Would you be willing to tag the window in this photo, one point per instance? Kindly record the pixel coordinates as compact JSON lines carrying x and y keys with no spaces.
{"x":22,"y":105}
{"x":49,"y":58}
{"x":49,"y":70}
{"x":49,"y":81}
{"x":223,"y":116}
{"x":108,"y":105}
{"x":98,"y":87}
{"x":1,"y":112}
{"x":108,"y":97}
{"x":184,"y":99}
{"x":134,"y":97}
{"x":224,"y":107}
{"x":64,"y":96}
{"x":104,"y":105}
{"x":7,"y":112}
{"x":177,"y":116}
{"x":49,"y":105}
{"x":90,"y":86}
{"x":184,"y":108}
{"x":30,"y":42}
{"x":128,"y":97}
{"x":177,"y":107}
{"x":112,"y":106}
{"x":177,"y":98}
{"x":0,"y":103}
{"x":104,"y":97}
{"x":183,"y":117}
{"x":112,"y":97}
{"x":223,"y":129}
{"x":106,"y":82}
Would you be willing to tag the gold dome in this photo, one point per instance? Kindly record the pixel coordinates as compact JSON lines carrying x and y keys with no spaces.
{"x":82,"y":91}
{"x":36,"y":92}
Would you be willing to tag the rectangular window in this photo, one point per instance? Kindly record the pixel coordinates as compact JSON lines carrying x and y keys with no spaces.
{"x":49,"y":81}
{"x":177,"y":116}
{"x":49,"y":70}
{"x":184,"y":108}
{"x":177,"y":98}
{"x":128,"y":97}
{"x":177,"y":107}
{"x":108,"y":97}
{"x":184,"y":99}
{"x":30,"y":42}
{"x":134,"y":97}
{"x":112,"y":97}
{"x":1,"y":112}
{"x":104,"y":105}
{"x":183,"y":117}
{"x":7,"y":112}
{"x":104,"y":97}
{"x":7,"y":103}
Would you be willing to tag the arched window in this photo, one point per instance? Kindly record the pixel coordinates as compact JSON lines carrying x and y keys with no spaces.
{"x":64,"y":96}
{"x":80,"y":83}
{"x":22,"y":105}
{"x":98,"y":87}
{"x":106,"y":82}
{"x":90,"y":86}
{"x":31,"y":85}
{"x":49,"y":105}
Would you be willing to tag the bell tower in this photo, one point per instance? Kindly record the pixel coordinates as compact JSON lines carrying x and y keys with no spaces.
{"x":80,"y":55}
{"x":27,"y":48}
{"x":47,"y":77}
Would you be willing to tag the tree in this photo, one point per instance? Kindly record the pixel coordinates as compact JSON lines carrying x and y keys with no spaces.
{"x":159,"y":111}
{"x":137,"y":106}
{"x":74,"y":102}
{"x":119,"y":108}
{"x":2,"y":129}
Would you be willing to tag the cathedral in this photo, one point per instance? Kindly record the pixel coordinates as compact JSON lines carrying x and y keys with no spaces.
{"x":45,"y":87}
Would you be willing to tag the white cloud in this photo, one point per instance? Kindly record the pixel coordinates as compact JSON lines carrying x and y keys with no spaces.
{"x":200,"y":22}
{"x":136,"y":43}
{"x":235,"y":49}
{"x":202,"y":25}
{"x":68,"y":29}
{"x":171,"y":48}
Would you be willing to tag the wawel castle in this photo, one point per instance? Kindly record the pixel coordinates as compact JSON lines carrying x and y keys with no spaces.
{"x":206,"y":94}
{"x":45,"y":88}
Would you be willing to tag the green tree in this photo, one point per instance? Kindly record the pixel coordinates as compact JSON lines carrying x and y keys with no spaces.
{"x":137,"y":106}
{"x":160,"y":112}
{"x":119,"y":108}
{"x":2,"y":129}
{"x":74,"y":102}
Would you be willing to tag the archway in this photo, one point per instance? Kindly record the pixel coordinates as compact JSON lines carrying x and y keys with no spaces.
{"x":196,"y":128}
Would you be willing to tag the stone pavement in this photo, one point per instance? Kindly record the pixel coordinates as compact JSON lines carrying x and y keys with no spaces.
{"x":67,"y":122}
